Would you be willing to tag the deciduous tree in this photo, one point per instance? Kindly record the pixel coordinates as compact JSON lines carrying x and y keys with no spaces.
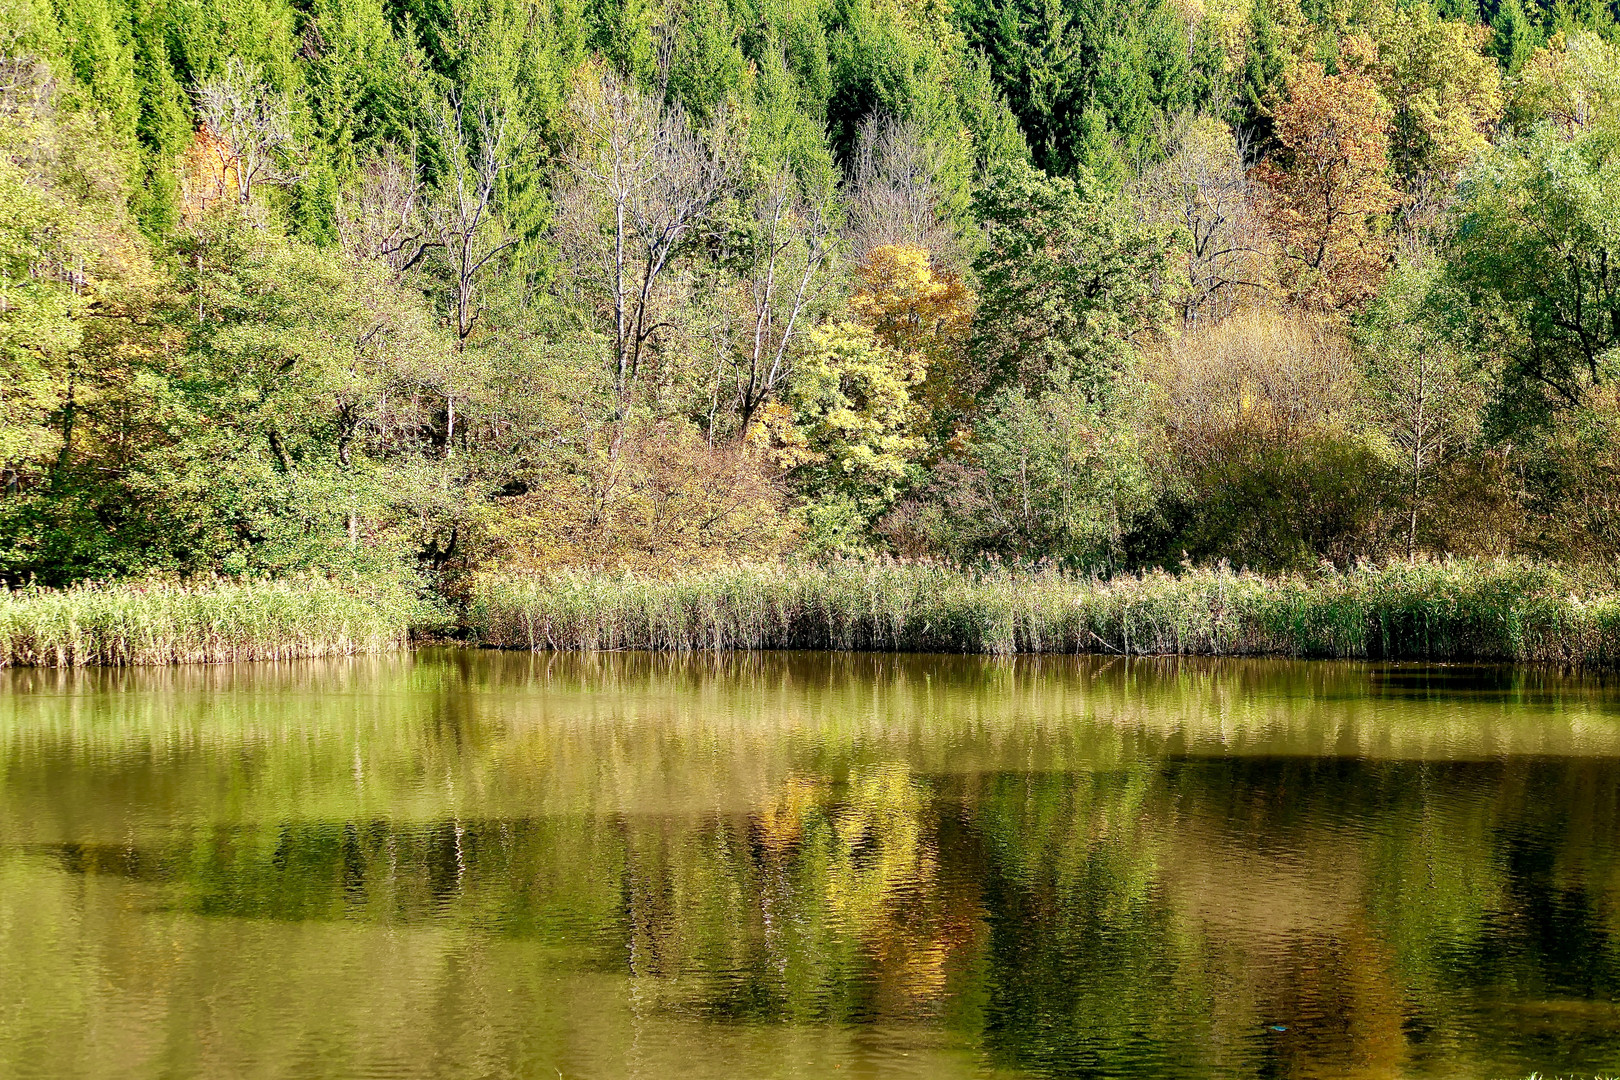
{"x":1330,"y":195}
{"x":1071,"y":280}
{"x":640,"y":183}
{"x":1425,"y":394}
{"x":1537,"y":253}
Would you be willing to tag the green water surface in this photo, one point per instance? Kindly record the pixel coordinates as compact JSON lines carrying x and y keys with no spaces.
{"x":473,"y":864}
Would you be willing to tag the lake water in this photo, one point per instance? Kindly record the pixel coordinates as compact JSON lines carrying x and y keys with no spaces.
{"x":474,"y":864}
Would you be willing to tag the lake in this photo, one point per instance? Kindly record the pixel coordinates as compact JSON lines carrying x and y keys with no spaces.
{"x":457,"y":863}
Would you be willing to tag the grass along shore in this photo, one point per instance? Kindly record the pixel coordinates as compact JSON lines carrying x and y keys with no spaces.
{"x":1453,"y":610}
{"x":207,"y":622}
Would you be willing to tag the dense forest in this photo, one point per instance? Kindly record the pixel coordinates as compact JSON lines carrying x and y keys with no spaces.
{"x":435,"y":286}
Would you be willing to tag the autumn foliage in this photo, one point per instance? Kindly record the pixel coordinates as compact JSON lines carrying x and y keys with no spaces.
{"x":917,"y":308}
{"x":1328,"y":192}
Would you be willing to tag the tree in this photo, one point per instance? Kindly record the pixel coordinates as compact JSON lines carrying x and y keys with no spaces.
{"x":72,"y":271}
{"x":1573,"y":83}
{"x":314,"y":373}
{"x":1267,"y":464}
{"x":1203,"y":190}
{"x":1271,"y":39}
{"x":845,"y":430}
{"x":668,"y":499}
{"x":1047,"y":476}
{"x":640,"y":182}
{"x":780,"y":248}
{"x":247,"y":135}
{"x":1514,"y":37}
{"x":921,"y":310}
{"x":1537,"y":254}
{"x":1423,"y":394}
{"x":461,"y":212}
{"x":1445,"y":97}
{"x":1329,"y":194}
{"x":1070,"y":280}
{"x":894,"y":191}
{"x":379,"y":216}
{"x":42,"y":274}
{"x":1088,"y":82}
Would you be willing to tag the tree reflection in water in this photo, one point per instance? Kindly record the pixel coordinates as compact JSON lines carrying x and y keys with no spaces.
{"x":1073,"y":868}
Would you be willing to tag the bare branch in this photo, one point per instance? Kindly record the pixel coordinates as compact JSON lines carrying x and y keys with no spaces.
{"x":247,"y":129}
{"x":640,"y":181}
{"x":893,"y":196}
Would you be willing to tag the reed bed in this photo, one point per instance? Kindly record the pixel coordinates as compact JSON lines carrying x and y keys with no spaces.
{"x":210,"y":622}
{"x":1453,"y":610}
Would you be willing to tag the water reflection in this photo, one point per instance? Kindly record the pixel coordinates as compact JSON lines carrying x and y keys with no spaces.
{"x":483,"y":864}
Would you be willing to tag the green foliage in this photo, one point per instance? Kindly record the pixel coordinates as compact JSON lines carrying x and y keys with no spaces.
{"x":355,"y":284}
{"x":1514,"y":37}
{"x":1082,"y":76}
{"x":1426,"y":395}
{"x":1445,"y":95}
{"x":1069,"y":283}
{"x":1271,"y":504}
{"x":297,"y":358}
{"x":1048,"y":475}
{"x":1260,"y":77}
{"x":1536,"y":252}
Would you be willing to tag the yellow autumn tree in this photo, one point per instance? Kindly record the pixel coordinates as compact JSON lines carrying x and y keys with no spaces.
{"x":1445,"y":95}
{"x":921,"y":312}
{"x":1571,"y":83}
{"x":845,"y":431}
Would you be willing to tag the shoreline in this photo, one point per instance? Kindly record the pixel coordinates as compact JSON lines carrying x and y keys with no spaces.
{"x":1453,"y":611}
{"x":1456,"y":611}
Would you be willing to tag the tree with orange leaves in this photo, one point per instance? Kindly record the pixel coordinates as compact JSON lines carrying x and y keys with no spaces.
{"x":1329,"y":191}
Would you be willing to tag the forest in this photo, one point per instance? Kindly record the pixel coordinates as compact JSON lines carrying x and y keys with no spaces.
{"x":429,"y":289}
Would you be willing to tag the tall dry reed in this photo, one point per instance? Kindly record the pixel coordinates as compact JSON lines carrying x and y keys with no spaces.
{"x":210,"y":622}
{"x":1454,"y":610}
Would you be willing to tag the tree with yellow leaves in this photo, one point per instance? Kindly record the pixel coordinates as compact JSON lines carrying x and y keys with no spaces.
{"x":1571,"y":83}
{"x":922,"y":311}
{"x":1445,"y":97}
{"x":846,"y":430}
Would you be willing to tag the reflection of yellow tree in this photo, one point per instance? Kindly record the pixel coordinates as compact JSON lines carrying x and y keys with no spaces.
{"x":883,"y":883}
{"x":780,"y":822}
{"x":878,"y":852}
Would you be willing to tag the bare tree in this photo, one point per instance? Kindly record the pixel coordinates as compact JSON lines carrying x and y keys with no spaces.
{"x":639,"y":183}
{"x":460,"y":215}
{"x":787,"y":243}
{"x":381,"y":216}
{"x":893,"y":196}
{"x":461,"y":219}
{"x":1202,"y":186}
{"x":1276,"y":374}
{"x":248,"y":134}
